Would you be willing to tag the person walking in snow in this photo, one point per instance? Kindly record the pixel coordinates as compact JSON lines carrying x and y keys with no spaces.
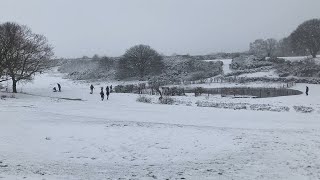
{"x":107,"y":92}
{"x":111,"y":89}
{"x":59,"y":87}
{"x":102,"y":94}
{"x":307,"y":90}
{"x":91,"y":88}
{"x":54,"y":89}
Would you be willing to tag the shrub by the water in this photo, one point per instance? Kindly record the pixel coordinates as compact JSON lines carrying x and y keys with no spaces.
{"x":166,"y":100}
{"x":144,"y":99}
{"x":303,"y":109}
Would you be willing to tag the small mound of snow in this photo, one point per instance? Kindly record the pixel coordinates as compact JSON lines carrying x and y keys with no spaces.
{"x":303,"y":109}
{"x":268,"y":107}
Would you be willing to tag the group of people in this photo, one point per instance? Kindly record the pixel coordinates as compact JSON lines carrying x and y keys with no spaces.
{"x":59,"y":88}
{"x":108,"y":91}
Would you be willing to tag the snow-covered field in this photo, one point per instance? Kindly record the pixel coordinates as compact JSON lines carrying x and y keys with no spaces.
{"x":271,"y":74}
{"x":45,"y":137}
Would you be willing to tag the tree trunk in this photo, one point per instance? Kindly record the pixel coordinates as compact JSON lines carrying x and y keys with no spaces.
{"x":158,"y":90}
{"x":314,"y":53}
{"x":14,"y":86}
{"x":141,"y":73}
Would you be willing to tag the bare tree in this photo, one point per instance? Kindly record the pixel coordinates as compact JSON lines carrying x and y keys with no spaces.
{"x":141,"y":60}
{"x":307,"y":37}
{"x":271,"y":46}
{"x":258,"y":47}
{"x":156,"y":83}
{"x":263,"y":48}
{"x":23,"y":53}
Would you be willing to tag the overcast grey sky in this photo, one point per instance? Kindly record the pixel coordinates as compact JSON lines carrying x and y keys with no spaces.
{"x":109,"y":27}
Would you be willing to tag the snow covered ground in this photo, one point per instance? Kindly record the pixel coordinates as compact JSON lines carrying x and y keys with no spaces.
{"x":271,"y":74}
{"x":299,"y":58}
{"x":45,"y":137}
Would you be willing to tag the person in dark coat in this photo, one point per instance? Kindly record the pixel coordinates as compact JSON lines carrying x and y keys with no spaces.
{"x":54,"y":89}
{"x":59,"y":87}
{"x":111,"y":89}
{"x":91,"y":88}
{"x":102,"y":94}
{"x":107,"y":92}
{"x":307,"y":90}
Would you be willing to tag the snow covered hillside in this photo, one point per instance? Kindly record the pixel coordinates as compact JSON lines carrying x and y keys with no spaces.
{"x":74,"y":135}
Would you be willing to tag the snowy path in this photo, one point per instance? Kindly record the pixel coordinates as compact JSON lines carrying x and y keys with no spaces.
{"x":51,"y":138}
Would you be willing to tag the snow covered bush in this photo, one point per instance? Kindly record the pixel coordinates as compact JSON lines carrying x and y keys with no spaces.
{"x":276,"y":60}
{"x":192,"y":70}
{"x":303,"y":109}
{"x":167,"y":100}
{"x":88,"y":69}
{"x":235,"y":106}
{"x":246,"y":71}
{"x":303,"y":68}
{"x":173,"y":91}
{"x":182,"y":102}
{"x":248,"y":62}
{"x":144,"y":99}
{"x":244,"y":106}
{"x":129,"y":88}
{"x":3,"y":96}
{"x":198,"y":91}
{"x":198,"y":75}
{"x":308,"y":80}
{"x":268,"y":107}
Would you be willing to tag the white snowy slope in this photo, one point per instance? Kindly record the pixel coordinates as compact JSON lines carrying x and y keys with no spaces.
{"x":299,"y":58}
{"x":45,"y":137}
